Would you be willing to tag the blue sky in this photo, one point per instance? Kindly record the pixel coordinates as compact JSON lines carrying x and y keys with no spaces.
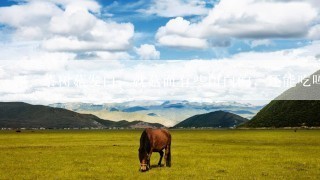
{"x":215,"y":31}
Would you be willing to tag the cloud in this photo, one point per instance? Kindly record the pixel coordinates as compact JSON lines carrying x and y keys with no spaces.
{"x":147,"y":52}
{"x":174,"y":8}
{"x":314,"y":32}
{"x":104,"y":55}
{"x":260,"y":42}
{"x":66,"y":26}
{"x":28,"y":14}
{"x":258,"y":76}
{"x":31,"y":51}
{"x":178,"y":33}
{"x":245,"y":19}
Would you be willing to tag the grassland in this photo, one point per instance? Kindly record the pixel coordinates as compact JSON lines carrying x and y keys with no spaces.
{"x":196,"y":154}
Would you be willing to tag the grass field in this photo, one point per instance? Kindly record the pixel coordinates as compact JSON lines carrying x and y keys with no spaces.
{"x":201,"y":154}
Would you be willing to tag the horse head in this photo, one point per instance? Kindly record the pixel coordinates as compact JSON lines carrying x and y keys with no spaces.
{"x":144,"y":160}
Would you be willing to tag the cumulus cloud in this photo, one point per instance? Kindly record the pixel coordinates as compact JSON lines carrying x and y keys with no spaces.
{"x":314,"y":32}
{"x":178,"y":33}
{"x":260,"y":42}
{"x":105,"y":55}
{"x":258,"y":76}
{"x":66,"y":26}
{"x":28,"y":14}
{"x":243,"y":19}
{"x":147,"y":52}
{"x":174,"y":8}
{"x":31,"y":51}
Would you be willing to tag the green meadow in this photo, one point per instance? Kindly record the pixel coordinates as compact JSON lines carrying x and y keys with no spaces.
{"x":196,"y":154}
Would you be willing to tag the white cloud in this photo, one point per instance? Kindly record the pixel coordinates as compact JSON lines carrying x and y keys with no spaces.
{"x":116,"y":81}
{"x":28,"y":14}
{"x":183,"y":42}
{"x":147,"y":52}
{"x":260,"y":42}
{"x":174,"y":8}
{"x":66,"y":26}
{"x":243,"y":19}
{"x":314,"y":32}
{"x":74,"y":20}
{"x":31,"y":51}
{"x":252,"y":19}
{"x":178,"y":33}
{"x":104,"y":55}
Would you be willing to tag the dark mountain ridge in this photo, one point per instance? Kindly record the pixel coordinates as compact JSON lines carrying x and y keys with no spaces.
{"x":216,"y":119}
{"x":23,"y":115}
{"x":296,"y":107}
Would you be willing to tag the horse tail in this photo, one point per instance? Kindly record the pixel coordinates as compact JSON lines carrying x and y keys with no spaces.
{"x":169,"y":152}
{"x":169,"y":157}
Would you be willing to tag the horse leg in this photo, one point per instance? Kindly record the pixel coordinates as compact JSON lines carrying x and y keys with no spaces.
{"x":149,"y":157}
{"x":167,"y":156}
{"x":161,"y":155}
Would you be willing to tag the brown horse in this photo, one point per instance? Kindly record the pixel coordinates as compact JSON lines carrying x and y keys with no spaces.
{"x":154,"y":140}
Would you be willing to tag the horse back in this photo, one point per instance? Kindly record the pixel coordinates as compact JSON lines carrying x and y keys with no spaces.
{"x":158,"y":138}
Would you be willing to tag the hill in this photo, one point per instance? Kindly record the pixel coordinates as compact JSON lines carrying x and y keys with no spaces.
{"x":308,"y":89}
{"x":23,"y":115}
{"x":216,"y":119}
{"x":133,"y":124}
{"x":297,"y":106}
{"x":287,"y":113}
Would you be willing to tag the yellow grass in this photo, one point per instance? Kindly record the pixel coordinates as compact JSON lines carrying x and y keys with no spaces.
{"x":196,"y":154}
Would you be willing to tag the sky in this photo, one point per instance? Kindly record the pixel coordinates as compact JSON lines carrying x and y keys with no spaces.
{"x":41,"y":39}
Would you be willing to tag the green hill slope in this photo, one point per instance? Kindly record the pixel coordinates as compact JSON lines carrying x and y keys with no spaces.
{"x":297,"y":106}
{"x":23,"y":115}
{"x":287,"y":113}
{"x":217,"y":119}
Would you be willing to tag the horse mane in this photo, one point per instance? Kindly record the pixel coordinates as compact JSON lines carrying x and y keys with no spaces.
{"x":145,"y":141}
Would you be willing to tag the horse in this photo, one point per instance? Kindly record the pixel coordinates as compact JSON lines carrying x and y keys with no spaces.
{"x":154,"y":140}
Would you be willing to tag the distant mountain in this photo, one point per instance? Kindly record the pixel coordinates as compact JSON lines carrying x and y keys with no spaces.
{"x":23,"y":115}
{"x":113,"y":109}
{"x":134,"y":109}
{"x":168,"y":112}
{"x":241,"y":112}
{"x":152,"y":114}
{"x":216,"y":119}
{"x":78,"y":106}
{"x":178,"y":105}
{"x":297,"y":106}
{"x":133,"y":124}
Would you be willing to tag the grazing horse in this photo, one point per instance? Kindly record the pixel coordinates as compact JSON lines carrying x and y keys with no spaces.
{"x":154,"y":140}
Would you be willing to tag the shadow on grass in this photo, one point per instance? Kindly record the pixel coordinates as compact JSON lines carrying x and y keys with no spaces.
{"x":157,"y":166}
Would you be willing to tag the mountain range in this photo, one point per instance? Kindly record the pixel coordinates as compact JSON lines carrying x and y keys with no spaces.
{"x":298,"y":106}
{"x":168,"y":113}
{"x":23,"y":115}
